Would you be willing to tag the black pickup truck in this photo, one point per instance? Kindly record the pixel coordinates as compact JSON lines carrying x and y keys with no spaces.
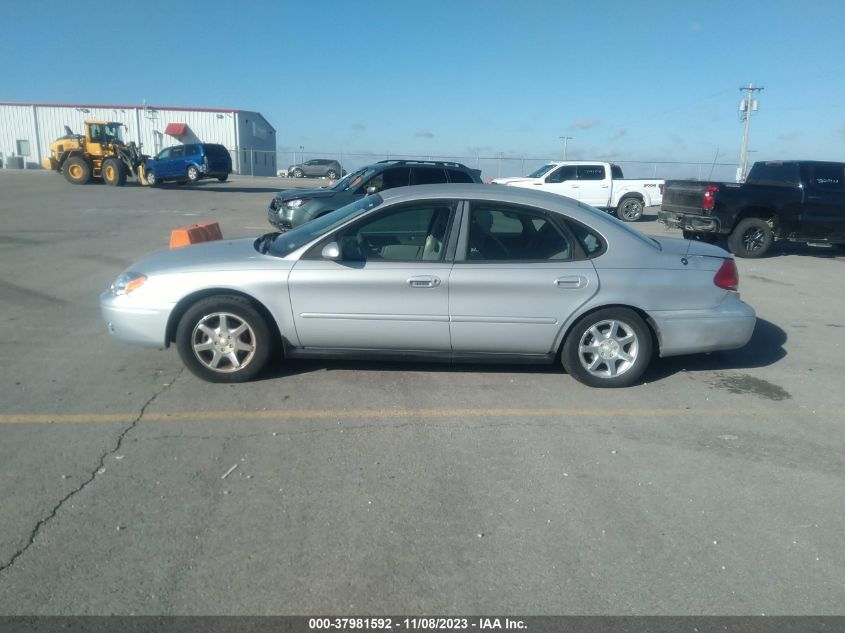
{"x":801,"y":200}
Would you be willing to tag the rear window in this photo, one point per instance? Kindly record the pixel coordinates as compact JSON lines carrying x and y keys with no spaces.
{"x":777,"y":174}
{"x":616,"y":172}
{"x":216,"y":150}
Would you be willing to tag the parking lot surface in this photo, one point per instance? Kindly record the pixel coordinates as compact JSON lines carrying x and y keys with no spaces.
{"x":131,"y":487}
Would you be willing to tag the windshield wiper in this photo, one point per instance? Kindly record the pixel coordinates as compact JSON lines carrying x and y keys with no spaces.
{"x":263,"y":242}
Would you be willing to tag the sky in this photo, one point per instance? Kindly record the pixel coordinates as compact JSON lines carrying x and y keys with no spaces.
{"x":629,"y":81}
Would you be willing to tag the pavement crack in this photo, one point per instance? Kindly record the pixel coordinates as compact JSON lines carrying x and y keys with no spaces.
{"x":55,"y":509}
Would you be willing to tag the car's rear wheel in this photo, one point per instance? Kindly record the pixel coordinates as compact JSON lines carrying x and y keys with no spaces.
{"x":224,"y":339}
{"x":223,"y":178}
{"x":751,"y":238}
{"x":630,"y":209}
{"x":193,"y":173}
{"x":331,"y":174}
{"x":297,"y":173}
{"x":611,"y":347}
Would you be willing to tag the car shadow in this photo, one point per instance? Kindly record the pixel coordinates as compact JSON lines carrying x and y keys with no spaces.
{"x":222,"y":188}
{"x":765,"y":348}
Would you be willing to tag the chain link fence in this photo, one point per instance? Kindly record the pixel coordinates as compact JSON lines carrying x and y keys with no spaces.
{"x":491,"y":166}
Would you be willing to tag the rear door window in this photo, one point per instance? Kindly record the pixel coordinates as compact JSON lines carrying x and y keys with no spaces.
{"x":456,"y":175}
{"x":828,"y":177}
{"x":177,"y":152}
{"x":191,"y":150}
{"x":427,"y":176}
{"x":500,"y":232}
{"x":590,"y":172}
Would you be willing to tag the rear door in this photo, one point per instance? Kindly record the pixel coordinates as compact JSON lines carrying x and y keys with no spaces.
{"x":824,"y":201}
{"x":593,"y":185}
{"x":390,"y":290}
{"x":518,"y":276}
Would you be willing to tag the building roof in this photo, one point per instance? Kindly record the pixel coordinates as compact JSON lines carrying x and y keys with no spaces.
{"x":119,"y":107}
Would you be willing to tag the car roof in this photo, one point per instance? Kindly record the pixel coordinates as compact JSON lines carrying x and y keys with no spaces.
{"x":493,"y":193}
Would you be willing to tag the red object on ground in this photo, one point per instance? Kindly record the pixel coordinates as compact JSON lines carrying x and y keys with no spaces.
{"x":194,"y":234}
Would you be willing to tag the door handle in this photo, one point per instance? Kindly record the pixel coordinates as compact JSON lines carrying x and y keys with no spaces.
{"x":574,"y":186}
{"x":425,"y":281}
{"x":572,"y":283}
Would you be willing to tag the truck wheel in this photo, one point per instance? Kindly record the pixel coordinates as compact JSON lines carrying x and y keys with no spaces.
{"x":114,"y":173}
{"x":751,"y":238}
{"x":76,"y":170}
{"x":630,"y":209}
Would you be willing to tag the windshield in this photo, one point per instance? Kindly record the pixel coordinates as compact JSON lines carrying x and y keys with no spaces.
{"x":350,"y":181}
{"x":286,"y":243}
{"x":542,"y":171}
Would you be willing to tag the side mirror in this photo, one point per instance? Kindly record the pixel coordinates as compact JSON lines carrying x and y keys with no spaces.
{"x":372,"y":189}
{"x":331,"y":251}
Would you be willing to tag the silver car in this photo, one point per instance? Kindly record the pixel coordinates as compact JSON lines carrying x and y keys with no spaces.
{"x":438,"y":272}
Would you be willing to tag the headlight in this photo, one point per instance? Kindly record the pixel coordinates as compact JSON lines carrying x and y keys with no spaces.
{"x":293,"y":204}
{"x":127,"y":282}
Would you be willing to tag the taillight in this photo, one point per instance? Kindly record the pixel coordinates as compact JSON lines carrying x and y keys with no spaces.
{"x":727,"y":277}
{"x":708,"y":201}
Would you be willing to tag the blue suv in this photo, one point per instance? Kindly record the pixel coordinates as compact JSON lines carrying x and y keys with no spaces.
{"x":189,"y":163}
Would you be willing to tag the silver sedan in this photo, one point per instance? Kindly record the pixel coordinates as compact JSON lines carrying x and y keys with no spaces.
{"x":438,"y":272}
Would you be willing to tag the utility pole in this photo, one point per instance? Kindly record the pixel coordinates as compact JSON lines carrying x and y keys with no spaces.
{"x":747,"y":105}
{"x":565,"y":140}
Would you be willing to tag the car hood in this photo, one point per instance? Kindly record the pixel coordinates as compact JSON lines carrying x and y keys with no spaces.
{"x":219,"y":255}
{"x":678,"y":246}
{"x":293,"y":194}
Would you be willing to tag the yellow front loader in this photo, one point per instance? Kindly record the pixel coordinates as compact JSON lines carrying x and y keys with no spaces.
{"x":99,"y":153}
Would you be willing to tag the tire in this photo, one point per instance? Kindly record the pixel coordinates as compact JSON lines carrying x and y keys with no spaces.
{"x":630,"y":209}
{"x":213,"y":357}
{"x":193,"y":174}
{"x":151,"y":178}
{"x":297,"y":173}
{"x":76,"y":170}
{"x":223,"y":178}
{"x":331,"y":174}
{"x":611,"y":347}
{"x":114,"y":173}
{"x":751,"y":238}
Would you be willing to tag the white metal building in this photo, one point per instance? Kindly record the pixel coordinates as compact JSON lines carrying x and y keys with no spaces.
{"x":27,"y":129}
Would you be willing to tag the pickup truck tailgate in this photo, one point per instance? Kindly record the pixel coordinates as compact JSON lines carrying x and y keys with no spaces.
{"x":683,"y":196}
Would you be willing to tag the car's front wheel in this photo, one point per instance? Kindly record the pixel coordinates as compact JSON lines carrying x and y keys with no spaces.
{"x":611,"y":347}
{"x":331,"y":174}
{"x":150,"y":176}
{"x":224,"y":339}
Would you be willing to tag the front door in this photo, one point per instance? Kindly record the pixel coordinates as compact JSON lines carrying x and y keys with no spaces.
{"x":563,"y":181}
{"x":518,"y":276}
{"x":389,"y":290}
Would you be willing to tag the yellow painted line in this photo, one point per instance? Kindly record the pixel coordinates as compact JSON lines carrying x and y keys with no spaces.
{"x":334,"y":414}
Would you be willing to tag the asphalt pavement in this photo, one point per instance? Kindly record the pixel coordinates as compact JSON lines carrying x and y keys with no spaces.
{"x":131,"y":487}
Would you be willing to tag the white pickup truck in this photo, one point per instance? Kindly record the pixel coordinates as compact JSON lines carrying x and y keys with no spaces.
{"x":600,"y":185}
